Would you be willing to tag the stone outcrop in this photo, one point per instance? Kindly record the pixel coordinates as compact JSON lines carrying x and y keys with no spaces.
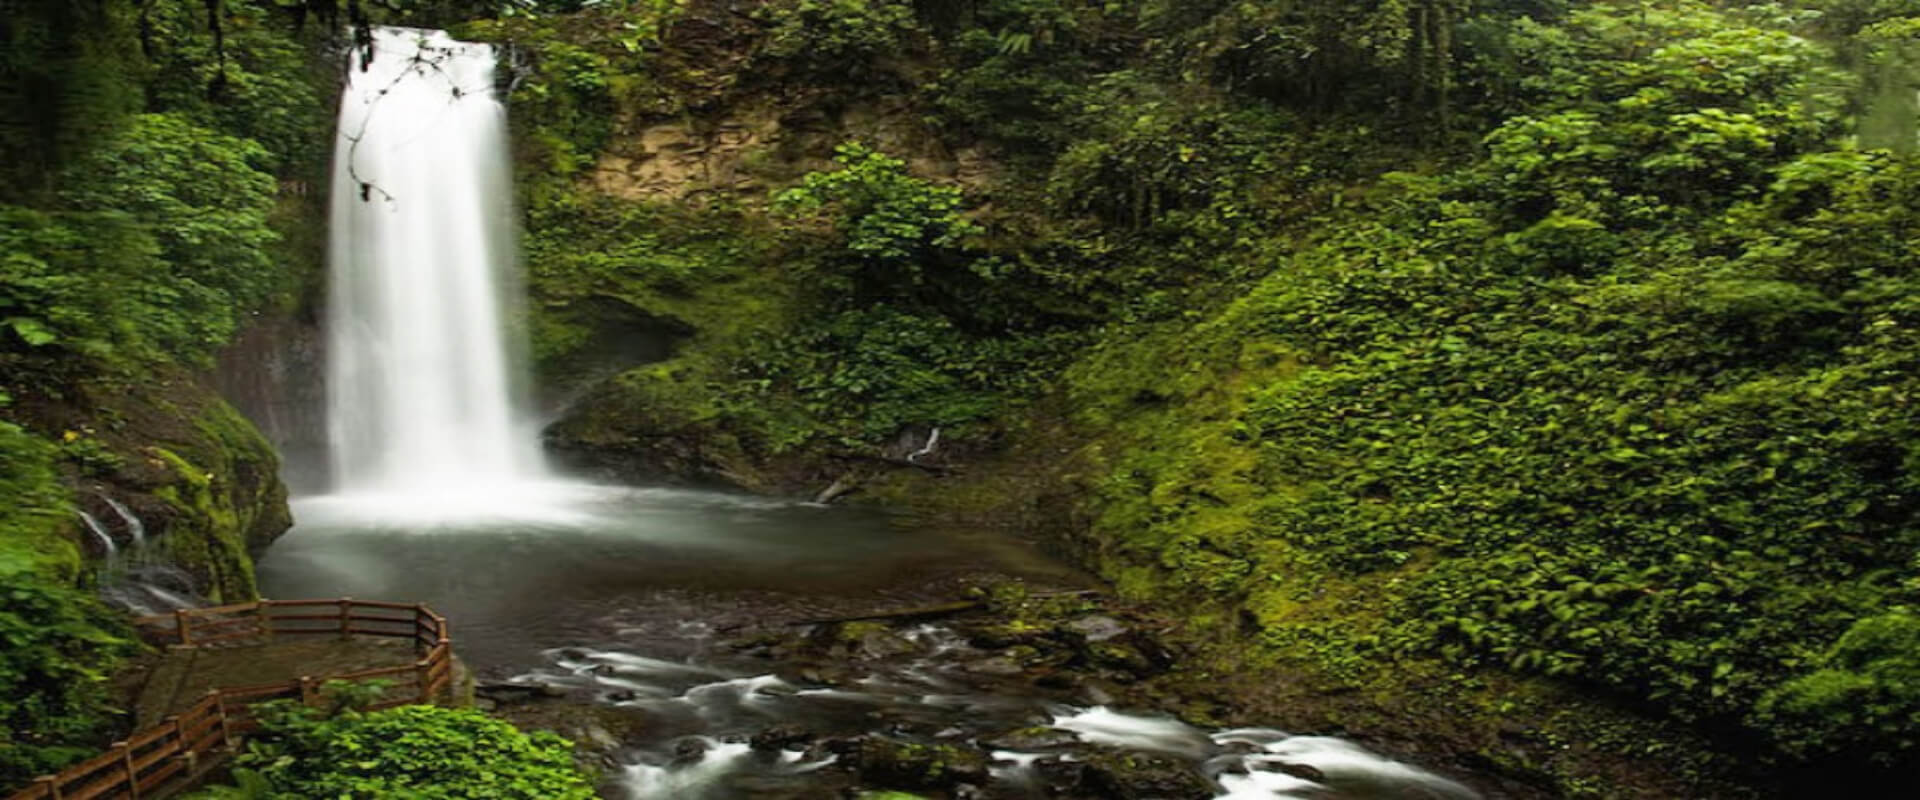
{"x":754,"y":148}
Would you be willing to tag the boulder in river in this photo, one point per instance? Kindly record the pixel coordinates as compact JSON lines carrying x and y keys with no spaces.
{"x":1113,"y":775}
{"x":897,"y":764}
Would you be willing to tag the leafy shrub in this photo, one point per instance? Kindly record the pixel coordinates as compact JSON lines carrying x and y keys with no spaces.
{"x":1620,"y":403}
{"x":36,"y":506}
{"x":411,"y":751}
{"x":836,"y":38}
{"x":63,"y":286}
{"x":1864,"y":698}
{"x":890,"y":219}
{"x":871,"y":373}
{"x":60,"y":647}
{"x":170,"y":249}
{"x":258,"y":85}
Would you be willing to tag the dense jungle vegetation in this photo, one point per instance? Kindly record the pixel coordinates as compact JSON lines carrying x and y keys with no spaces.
{"x":155,"y":160}
{"x":1478,"y":340}
{"x":1567,"y":340}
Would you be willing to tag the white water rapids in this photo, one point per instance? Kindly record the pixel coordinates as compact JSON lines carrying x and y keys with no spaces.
{"x":422,"y":396}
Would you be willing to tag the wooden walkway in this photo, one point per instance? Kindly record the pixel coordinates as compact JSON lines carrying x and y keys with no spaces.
{"x":256,"y":641}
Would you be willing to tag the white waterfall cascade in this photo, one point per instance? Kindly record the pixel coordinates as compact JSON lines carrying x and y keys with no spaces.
{"x":423,"y":397}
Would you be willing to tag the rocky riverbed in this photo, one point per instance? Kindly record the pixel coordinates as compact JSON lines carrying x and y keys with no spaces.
{"x":1014,"y":696}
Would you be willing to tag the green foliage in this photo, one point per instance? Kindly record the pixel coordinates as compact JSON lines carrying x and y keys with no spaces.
{"x":204,"y":199}
{"x":1608,"y":385}
{"x":411,"y":751}
{"x":256,"y":83}
{"x":1864,"y":696}
{"x":169,"y":248}
{"x":68,"y":77}
{"x":59,"y":648}
{"x":1618,"y":404}
{"x":32,"y":521}
{"x":871,"y":373}
{"x":836,"y":39}
{"x":63,"y":282}
{"x":897,"y":229}
{"x":575,"y":73}
{"x":57,"y":644}
{"x":1322,"y":54}
{"x":138,"y":150}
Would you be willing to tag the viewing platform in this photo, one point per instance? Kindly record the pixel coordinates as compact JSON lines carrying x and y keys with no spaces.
{"x":196,"y":703}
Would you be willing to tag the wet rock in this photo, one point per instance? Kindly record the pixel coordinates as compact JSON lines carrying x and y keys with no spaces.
{"x":1041,"y":657}
{"x":763,"y":787}
{"x":1057,"y":680}
{"x":1038,"y":737}
{"x":689,"y":751}
{"x":1121,"y":656}
{"x":1097,"y":627}
{"x":997,"y":665}
{"x":765,"y":645}
{"x":595,"y":737}
{"x":1094,"y":695}
{"x":911,"y":765}
{"x":781,"y":737}
{"x":1124,"y":776}
{"x":1302,"y":771}
{"x":622,"y":696}
{"x":873,"y":642}
{"x":860,"y":641}
{"x":508,"y":693}
{"x":999,"y":636}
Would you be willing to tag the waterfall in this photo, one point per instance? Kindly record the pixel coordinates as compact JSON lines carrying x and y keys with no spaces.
{"x":135,"y":527}
{"x":421,"y":386}
{"x":107,"y":549}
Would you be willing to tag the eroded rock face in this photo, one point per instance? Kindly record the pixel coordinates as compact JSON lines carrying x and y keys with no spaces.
{"x":754,"y":148}
{"x":274,"y":373}
{"x":200,"y":478}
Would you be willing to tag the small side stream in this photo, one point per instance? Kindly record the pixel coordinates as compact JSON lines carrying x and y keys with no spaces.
{"x":639,"y":602}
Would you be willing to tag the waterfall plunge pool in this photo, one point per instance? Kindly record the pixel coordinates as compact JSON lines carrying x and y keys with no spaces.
{"x":620,"y":597}
{"x":524,"y":568}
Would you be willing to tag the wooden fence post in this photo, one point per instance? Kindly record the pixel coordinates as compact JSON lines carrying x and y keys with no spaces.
{"x":220,"y":713}
{"x":126,"y":763}
{"x":168,"y":740}
{"x":178,"y":738}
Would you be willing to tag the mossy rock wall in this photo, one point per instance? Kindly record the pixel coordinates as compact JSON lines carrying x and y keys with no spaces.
{"x":198,"y":474}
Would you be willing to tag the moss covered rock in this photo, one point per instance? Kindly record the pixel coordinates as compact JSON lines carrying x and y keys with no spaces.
{"x":199,"y":475}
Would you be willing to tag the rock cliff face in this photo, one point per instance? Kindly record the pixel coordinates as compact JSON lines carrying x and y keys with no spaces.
{"x":169,"y":449}
{"x":633,"y":332}
{"x":274,"y":373}
{"x":750,"y":148}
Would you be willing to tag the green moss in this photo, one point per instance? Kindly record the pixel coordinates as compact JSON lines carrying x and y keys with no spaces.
{"x":204,"y":534}
{"x":36,"y":519}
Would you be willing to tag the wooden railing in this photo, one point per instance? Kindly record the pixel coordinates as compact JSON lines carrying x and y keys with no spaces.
{"x":173,"y":755}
